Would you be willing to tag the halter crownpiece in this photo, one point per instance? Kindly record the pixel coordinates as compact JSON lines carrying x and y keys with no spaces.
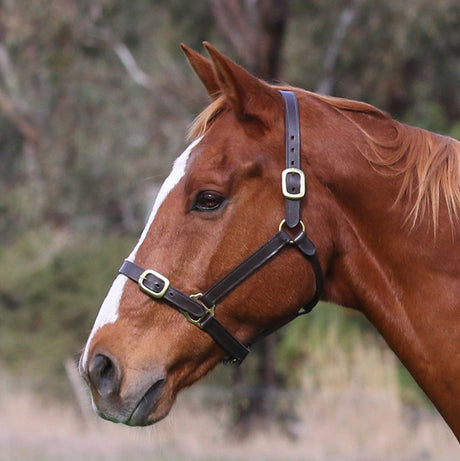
{"x":199,"y":309}
{"x":292,"y":178}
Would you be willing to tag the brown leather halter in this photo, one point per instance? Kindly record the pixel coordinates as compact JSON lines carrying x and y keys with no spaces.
{"x":199,"y":309}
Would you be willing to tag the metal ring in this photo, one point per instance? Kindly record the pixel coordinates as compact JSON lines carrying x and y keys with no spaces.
{"x":283,"y":222}
{"x":208,"y":311}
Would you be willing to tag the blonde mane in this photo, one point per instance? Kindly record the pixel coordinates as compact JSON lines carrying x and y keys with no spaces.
{"x":428,"y":164}
{"x":201,"y":122}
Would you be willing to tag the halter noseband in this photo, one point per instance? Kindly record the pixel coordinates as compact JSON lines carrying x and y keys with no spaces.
{"x":199,"y":309}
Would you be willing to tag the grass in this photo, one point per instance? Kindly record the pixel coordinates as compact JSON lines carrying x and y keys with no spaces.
{"x":349,"y":408}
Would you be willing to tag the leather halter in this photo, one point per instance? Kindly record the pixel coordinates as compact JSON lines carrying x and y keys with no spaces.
{"x":199,"y":309}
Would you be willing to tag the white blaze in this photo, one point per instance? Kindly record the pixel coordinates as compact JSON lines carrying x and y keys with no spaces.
{"x":108,"y":312}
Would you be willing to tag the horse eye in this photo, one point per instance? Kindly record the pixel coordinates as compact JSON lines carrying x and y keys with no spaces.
{"x":208,"y":200}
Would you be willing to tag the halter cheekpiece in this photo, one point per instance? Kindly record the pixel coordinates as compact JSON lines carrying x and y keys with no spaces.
{"x":199,"y":309}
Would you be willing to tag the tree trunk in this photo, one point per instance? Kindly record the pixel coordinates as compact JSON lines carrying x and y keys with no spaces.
{"x":256,"y":30}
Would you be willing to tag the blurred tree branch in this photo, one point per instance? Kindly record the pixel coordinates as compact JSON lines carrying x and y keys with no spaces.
{"x":6,"y":68}
{"x":130,"y":64}
{"x":167,"y":98}
{"x":14,"y":110}
{"x":256,"y":30}
{"x":19,"y":119}
{"x":344,"y":22}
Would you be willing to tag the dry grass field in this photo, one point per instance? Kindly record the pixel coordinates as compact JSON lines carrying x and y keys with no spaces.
{"x":350,"y":412}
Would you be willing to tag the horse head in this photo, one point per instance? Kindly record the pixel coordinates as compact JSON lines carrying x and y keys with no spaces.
{"x":221,"y":202}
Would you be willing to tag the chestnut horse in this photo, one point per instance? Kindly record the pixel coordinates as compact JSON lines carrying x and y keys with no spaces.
{"x":380,"y":202}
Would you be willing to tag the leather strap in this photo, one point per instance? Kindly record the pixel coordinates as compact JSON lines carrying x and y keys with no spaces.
{"x":155,"y":284}
{"x":237,"y":352}
{"x":307,"y":248}
{"x":201,"y":316}
{"x":241,"y":272}
{"x":292,"y":180}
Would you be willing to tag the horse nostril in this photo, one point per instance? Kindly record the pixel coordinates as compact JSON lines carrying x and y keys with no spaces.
{"x":104,"y":374}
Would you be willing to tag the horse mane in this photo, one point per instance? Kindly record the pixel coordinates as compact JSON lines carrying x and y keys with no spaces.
{"x":428,"y":164}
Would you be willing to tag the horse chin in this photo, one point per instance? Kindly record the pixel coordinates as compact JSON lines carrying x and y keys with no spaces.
{"x":151,"y":408}
{"x":146,"y":406}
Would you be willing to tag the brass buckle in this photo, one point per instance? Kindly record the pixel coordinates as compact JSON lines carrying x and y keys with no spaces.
{"x":284,"y":186}
{"x":155,"y":294}
{"x":207,"y":311}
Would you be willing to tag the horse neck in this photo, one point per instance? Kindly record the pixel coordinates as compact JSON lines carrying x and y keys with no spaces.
{"x":405,"y":280}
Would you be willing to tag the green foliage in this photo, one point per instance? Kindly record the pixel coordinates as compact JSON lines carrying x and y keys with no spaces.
{"x":49,"y":301}
{"x":311,"y":346}
{"x":399,"y":56}
{"x":326,"y":328}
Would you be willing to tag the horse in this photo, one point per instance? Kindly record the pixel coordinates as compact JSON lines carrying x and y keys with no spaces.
{"x":283,"y":197}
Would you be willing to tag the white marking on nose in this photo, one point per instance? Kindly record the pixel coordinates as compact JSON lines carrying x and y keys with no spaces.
{"x":108,"y":312}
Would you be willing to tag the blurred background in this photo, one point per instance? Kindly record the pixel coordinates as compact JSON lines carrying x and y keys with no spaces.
{"x":95,"y":102}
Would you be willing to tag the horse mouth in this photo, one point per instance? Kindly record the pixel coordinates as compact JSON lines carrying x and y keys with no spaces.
{"x":147,"y":405}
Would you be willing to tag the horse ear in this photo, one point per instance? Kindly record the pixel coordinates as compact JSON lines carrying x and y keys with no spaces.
{"x":248,"y":95}
{"x":203,"y":68}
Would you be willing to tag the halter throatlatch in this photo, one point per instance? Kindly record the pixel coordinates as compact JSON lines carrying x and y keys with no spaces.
{"x":199,"y":309}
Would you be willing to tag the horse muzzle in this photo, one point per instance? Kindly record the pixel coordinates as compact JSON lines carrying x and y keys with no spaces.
{"x":132,"y":400}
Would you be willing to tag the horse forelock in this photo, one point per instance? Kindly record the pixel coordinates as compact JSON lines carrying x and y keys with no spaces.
{"x":203,"y":120}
